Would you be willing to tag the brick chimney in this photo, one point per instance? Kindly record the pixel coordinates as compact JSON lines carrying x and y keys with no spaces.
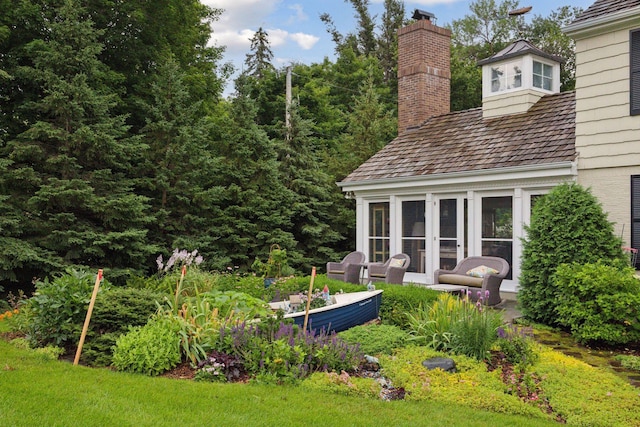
{"x":424,"y":73}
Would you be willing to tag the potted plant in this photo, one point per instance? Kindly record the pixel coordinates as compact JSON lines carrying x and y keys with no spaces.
{"x":275,"y":267}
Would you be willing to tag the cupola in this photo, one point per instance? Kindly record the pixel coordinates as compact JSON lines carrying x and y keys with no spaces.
{"x":515,"y":78}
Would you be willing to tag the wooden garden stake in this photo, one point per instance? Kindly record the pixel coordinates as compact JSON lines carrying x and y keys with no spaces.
{"x":306,"y":313}
{"x":88,"y":317}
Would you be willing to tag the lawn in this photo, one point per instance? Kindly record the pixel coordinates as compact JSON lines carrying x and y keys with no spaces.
{"x":36,"y":391}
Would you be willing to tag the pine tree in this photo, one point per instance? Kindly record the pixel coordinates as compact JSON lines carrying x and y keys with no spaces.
{"x":69,"y":173}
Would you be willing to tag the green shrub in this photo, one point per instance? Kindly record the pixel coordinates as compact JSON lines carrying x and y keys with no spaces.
{"x":456,"y":325}
{"x":115,"y":310}
{"x":628,"y":361}
{"x":517,"y":344}
{"x":376,"y":339}
{"x":397,"y":301}
{"x":598,"y":303}
{"x":58,"y":308}
{"x":150,"y":349}
{"x":567,"y":225}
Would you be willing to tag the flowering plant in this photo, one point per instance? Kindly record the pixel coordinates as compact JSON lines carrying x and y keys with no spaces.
{"x":178,"y":259}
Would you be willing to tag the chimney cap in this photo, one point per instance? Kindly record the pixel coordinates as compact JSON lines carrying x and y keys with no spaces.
{"x":420,"y":14}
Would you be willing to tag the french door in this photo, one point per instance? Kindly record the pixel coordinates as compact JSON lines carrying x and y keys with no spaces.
{"x":450,"y":231}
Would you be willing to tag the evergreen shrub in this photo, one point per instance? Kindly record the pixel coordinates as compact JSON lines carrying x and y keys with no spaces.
{"x":598,"y":303}
{"x":567,"y":225}
{"x":115,"y":310}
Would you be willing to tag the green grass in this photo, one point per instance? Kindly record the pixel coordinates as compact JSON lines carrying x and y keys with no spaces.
{"x":36,"y":391}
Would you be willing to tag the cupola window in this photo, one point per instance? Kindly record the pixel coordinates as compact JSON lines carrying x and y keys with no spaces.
{"x":542,"y":75}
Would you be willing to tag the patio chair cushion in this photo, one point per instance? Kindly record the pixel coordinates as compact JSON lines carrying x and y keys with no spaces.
{"x":459,"y":279}
{"x":396,"y":262}
{"x":481,"y":271}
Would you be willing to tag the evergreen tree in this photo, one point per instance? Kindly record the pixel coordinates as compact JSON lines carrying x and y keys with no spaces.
{"x":314,"y":194}
{"x":68,"y":173}
{"x":179,"y":162}
{"x":370,"y":127}
{"x":254,"y":206}
{"x":392,"y":19}
{"x":567,"y":225}
{"x":258,"y":61}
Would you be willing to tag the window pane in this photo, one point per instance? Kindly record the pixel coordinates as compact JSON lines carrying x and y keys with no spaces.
{"x":497,"y":228}
{"x":497,"y":76}
{"x":379,"y":219}
{"x":448,"y":216}
{"x":502,"y":250}
{"x":537,"y":67}
{"x":546,"y":84}
{"x":497,"y":217}
{"x":547,"y":71}
{"x":413,"y":219}
{"x":378,"y":232}
{"x":413,"y":234}
{"x":537,"y":81}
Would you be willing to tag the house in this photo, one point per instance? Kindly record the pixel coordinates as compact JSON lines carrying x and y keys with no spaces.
{"x":455,"y":184}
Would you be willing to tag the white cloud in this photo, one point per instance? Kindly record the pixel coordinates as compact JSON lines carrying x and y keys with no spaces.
{"x":305,"y":41}
{"x":277,"y":37}
{"x":299,"y":15}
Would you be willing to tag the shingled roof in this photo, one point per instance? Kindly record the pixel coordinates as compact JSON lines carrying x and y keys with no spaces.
{"x":464,"y":141}
{"x":605,"y":7}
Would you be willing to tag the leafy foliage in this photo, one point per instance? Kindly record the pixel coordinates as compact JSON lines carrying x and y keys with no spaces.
{"x":115,"y":310}
{"x":584,"y":395}
{"x":376,"y":339}
{"x":274,"y":351}
{"x":58,"y":309}
{"x":220,"y":367}
{"x":343,"y":383}
{"x":517,"y":344}
{"x":598,"y":303}
{"x":150,"y":349}
{"x":567,"y":225}
{"x":397,"y":301}
{"x":456,"y":325}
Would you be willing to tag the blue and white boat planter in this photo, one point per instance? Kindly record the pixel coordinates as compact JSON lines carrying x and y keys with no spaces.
{"x":348,"y":310}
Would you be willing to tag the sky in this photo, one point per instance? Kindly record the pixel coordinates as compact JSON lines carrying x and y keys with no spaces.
{"x":297,"y":35}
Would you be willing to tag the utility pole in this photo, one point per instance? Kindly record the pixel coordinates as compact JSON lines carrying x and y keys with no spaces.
{"x":287,"y":119}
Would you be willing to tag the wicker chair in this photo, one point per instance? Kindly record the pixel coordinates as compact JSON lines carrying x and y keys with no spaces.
{"x":348,"y":270}
{"x":490,"y":282}
{"x":391,"y":271}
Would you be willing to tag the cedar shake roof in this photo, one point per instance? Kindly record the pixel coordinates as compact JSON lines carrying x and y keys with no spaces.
{"x":605,"y":7}
{"x":463,"y":141}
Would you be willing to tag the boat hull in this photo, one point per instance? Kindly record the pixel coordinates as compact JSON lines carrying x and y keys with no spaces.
{"x":349,"y":310}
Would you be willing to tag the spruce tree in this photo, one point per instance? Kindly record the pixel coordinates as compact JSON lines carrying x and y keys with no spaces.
{"x":68,"y":172}
{"x":258,"y":61}
{"x":254,"y":205}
